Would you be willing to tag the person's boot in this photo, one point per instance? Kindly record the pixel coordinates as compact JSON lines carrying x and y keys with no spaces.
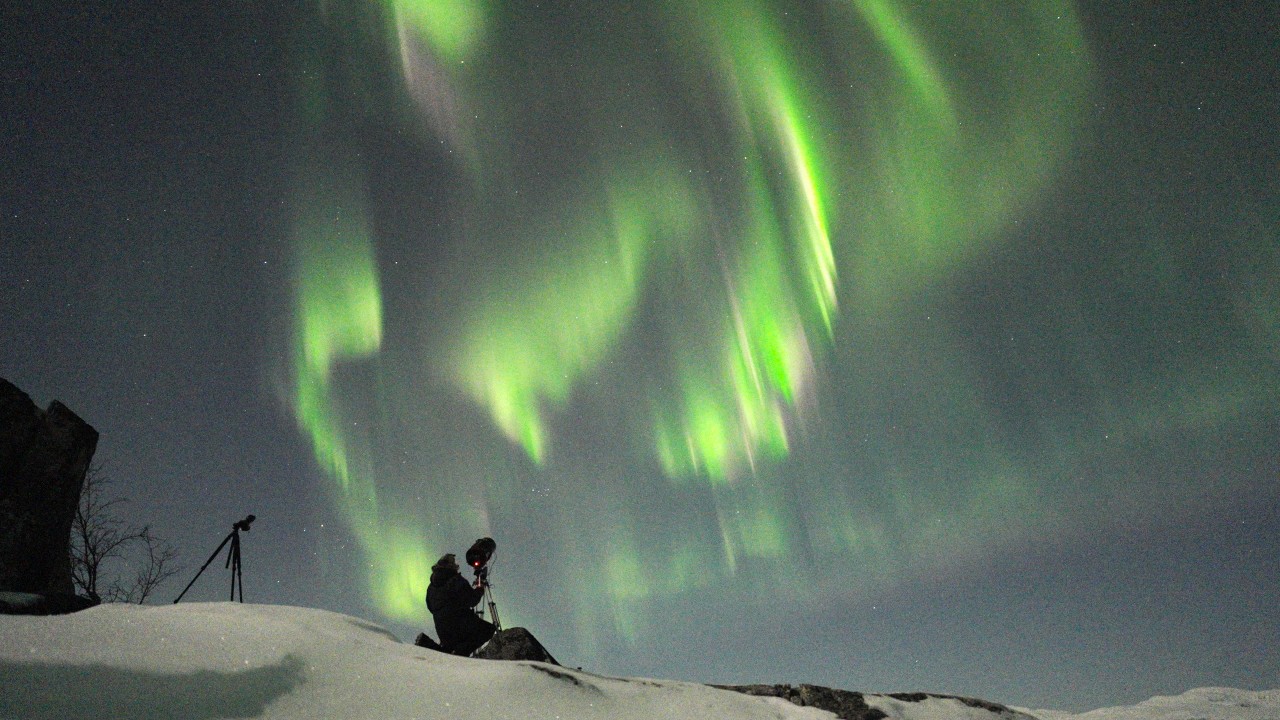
{"x":424,"y":641}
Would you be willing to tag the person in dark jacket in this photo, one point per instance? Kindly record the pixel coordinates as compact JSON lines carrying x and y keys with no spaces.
{"x":450,"y":598}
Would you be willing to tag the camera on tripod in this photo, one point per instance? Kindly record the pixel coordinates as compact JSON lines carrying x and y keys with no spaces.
{"x":233,"y":558}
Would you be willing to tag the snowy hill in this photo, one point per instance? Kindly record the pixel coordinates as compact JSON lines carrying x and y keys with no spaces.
{"x":224,"y":660}
{"x":1199,"y":704}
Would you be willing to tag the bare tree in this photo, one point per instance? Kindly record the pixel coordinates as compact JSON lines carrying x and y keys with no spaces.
{"x":159,"y":563}
{"x":99,"y":535}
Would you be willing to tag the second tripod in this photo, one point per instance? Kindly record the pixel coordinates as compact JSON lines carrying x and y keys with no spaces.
{"x":233,"y":559}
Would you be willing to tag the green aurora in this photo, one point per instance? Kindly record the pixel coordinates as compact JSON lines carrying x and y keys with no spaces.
{"x":670,"y":225}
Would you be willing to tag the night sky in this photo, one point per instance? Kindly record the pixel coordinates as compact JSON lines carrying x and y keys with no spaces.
{"x":878,"y":344}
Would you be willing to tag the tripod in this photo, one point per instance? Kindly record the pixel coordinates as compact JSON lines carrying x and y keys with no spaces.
{"x":482,"y":580}
{"x":233,"y":559}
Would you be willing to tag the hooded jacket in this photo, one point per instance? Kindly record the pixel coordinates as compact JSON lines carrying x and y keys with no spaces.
{"x":450,"y":598}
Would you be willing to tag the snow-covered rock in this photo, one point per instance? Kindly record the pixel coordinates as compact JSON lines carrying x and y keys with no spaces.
{"x":870,"y":706}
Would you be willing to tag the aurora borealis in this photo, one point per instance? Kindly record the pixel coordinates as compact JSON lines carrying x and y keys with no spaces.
{"x":720,"y":184}
{"x":818,"y":327}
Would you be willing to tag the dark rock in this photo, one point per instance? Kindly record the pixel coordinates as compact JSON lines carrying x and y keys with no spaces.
{"x":844,"y":703}
{"x":566,"y":677}
{"x":853,"y":705}
{"x":43,"y":458}
{"x":971,"y":702}
{"x":19,"y":419}
{"x":514,"y":644}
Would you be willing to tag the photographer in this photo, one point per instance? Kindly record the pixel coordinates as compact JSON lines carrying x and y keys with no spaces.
{"x":450,"y":598}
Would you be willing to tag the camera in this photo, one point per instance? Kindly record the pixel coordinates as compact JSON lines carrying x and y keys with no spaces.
{"x":480,"y":552}
{"x":244,"y":524}
{"x":478,"y":557}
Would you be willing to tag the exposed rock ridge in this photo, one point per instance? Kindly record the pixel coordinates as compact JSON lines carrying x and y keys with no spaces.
{"x":845,"y":704}
{"x":850,"y":705}
{"x":971,"y":702}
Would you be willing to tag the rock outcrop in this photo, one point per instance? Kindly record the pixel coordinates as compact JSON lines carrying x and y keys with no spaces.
{"x":850,"y":705}
{"x":514,"y":644}
{"x":844,"y":703}
{"x":43,"y":458}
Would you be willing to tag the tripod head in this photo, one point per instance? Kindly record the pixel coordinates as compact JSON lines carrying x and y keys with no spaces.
{"x":244,"y":524}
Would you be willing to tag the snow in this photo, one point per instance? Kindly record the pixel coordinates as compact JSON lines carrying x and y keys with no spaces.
{"x":1198,"y":704}
{"x":229,"y":660}
{"x":935,"y":708}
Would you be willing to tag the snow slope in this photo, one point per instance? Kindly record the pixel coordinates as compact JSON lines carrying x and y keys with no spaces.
{"x":1198,"y":704}
{"x":230,"y":660}
{"x":225,"y":660}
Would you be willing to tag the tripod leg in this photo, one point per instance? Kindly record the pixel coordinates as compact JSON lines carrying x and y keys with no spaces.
{"x":206,"y":564}
{"x":233,"y":562}
{"x":231,"y":556}
{"x":493,"y":609}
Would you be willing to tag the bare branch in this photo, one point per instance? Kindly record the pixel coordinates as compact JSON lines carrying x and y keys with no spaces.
{"x":99,"y":535}
{"x":160,"y":564}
